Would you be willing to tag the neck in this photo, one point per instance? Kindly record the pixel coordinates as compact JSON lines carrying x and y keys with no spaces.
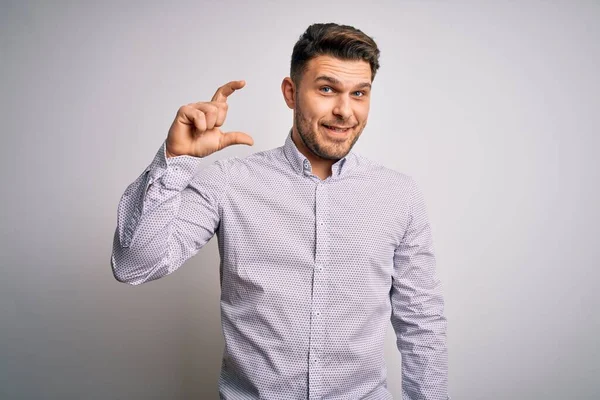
{"x":321,"y":167}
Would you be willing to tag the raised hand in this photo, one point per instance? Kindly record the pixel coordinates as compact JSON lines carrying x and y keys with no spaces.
{"x":196,"y":128}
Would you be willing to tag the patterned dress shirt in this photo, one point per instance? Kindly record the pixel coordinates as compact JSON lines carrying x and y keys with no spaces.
{"x":312,"y":271}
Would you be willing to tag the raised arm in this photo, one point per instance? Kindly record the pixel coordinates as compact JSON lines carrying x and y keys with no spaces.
{"x":168,"y":213}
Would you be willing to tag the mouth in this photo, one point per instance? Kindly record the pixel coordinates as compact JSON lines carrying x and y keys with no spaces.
{"x":337,"y":130}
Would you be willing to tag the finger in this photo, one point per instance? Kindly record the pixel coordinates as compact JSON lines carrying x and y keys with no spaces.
{"x":221,"y":113}
{"x":200,"y":121}
{"x":210,"y":110}
{"x":219,"y":108}
{"x":231,"y":138}
{"x":191,"y":116}
{"x":227,"y":89}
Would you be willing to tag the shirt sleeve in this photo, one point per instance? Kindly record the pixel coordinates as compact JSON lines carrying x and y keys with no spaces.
{"x":418,"y":309}
{"x":165,"y":216}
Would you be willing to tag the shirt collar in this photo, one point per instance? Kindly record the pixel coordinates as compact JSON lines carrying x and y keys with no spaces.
{"x":301,"y":164}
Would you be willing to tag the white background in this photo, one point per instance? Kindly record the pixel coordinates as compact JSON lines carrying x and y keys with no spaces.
{"x":493,"y":107}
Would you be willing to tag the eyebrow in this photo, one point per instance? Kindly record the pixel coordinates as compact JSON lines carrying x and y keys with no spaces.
{"x":335,"y":81}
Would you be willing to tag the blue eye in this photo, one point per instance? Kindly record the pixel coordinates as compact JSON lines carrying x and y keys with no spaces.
{"x":325,"y":88}
{"x":359,"y":93}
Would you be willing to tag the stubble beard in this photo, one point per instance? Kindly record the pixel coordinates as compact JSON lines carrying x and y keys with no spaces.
{"x":324,"y":150}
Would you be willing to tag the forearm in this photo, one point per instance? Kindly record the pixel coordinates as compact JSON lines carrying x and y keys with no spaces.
{"x":161,"y":222}
{"x":145,"y":234}
{"x":421,"y":339}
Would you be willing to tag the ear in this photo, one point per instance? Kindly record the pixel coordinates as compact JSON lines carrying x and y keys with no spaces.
{"x":289,"y":90}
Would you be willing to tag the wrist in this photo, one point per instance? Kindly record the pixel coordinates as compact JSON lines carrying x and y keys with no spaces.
{"x":168,"y":153}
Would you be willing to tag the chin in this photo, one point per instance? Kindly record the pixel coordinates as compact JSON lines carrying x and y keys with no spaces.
{"x":333,"y":151}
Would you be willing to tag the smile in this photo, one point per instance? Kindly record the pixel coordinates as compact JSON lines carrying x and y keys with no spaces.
{"x":338,"y":129}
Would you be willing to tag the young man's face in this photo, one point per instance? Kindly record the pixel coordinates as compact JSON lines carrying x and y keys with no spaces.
{"x":332,"y":105}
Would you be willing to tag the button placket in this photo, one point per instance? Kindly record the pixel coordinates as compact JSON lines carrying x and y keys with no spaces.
{"x":319,"y":292}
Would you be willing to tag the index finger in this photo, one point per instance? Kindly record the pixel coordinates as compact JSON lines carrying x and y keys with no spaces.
{"x":227,"y":89}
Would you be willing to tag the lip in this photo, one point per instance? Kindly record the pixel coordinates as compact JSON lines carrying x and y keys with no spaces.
{"x":334,"y":133}
{"x":338,"y":127}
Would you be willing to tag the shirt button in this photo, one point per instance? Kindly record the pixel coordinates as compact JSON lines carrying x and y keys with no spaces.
{"x":319,"y":267}
{"x":317,"y":313}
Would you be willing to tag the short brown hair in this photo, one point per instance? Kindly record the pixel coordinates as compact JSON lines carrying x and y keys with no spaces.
{"x":341,"y":41}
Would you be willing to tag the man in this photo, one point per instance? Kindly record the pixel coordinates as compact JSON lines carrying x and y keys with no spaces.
{"x":320,"y":247}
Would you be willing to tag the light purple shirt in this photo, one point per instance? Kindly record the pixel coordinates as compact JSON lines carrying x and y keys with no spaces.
{"x":312,"y":271}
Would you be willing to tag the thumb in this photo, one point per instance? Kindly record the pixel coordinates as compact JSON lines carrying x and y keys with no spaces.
{"x":230,"y":138}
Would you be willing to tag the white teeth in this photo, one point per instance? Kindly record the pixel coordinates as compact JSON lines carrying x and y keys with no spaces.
{"x":336,"y":129}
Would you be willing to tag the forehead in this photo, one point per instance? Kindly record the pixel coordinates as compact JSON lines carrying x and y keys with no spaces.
{"x":346,"y":71}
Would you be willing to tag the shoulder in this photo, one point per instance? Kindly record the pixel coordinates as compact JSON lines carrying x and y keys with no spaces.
{"x":257,"y":162}
{"x":380,"y":173}
{"x":401,"y":187}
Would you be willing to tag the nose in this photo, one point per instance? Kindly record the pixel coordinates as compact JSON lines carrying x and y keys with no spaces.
{"x":342,"y":108}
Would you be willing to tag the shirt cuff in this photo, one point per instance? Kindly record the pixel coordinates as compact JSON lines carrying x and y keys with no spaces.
{"x":175,"y":173}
